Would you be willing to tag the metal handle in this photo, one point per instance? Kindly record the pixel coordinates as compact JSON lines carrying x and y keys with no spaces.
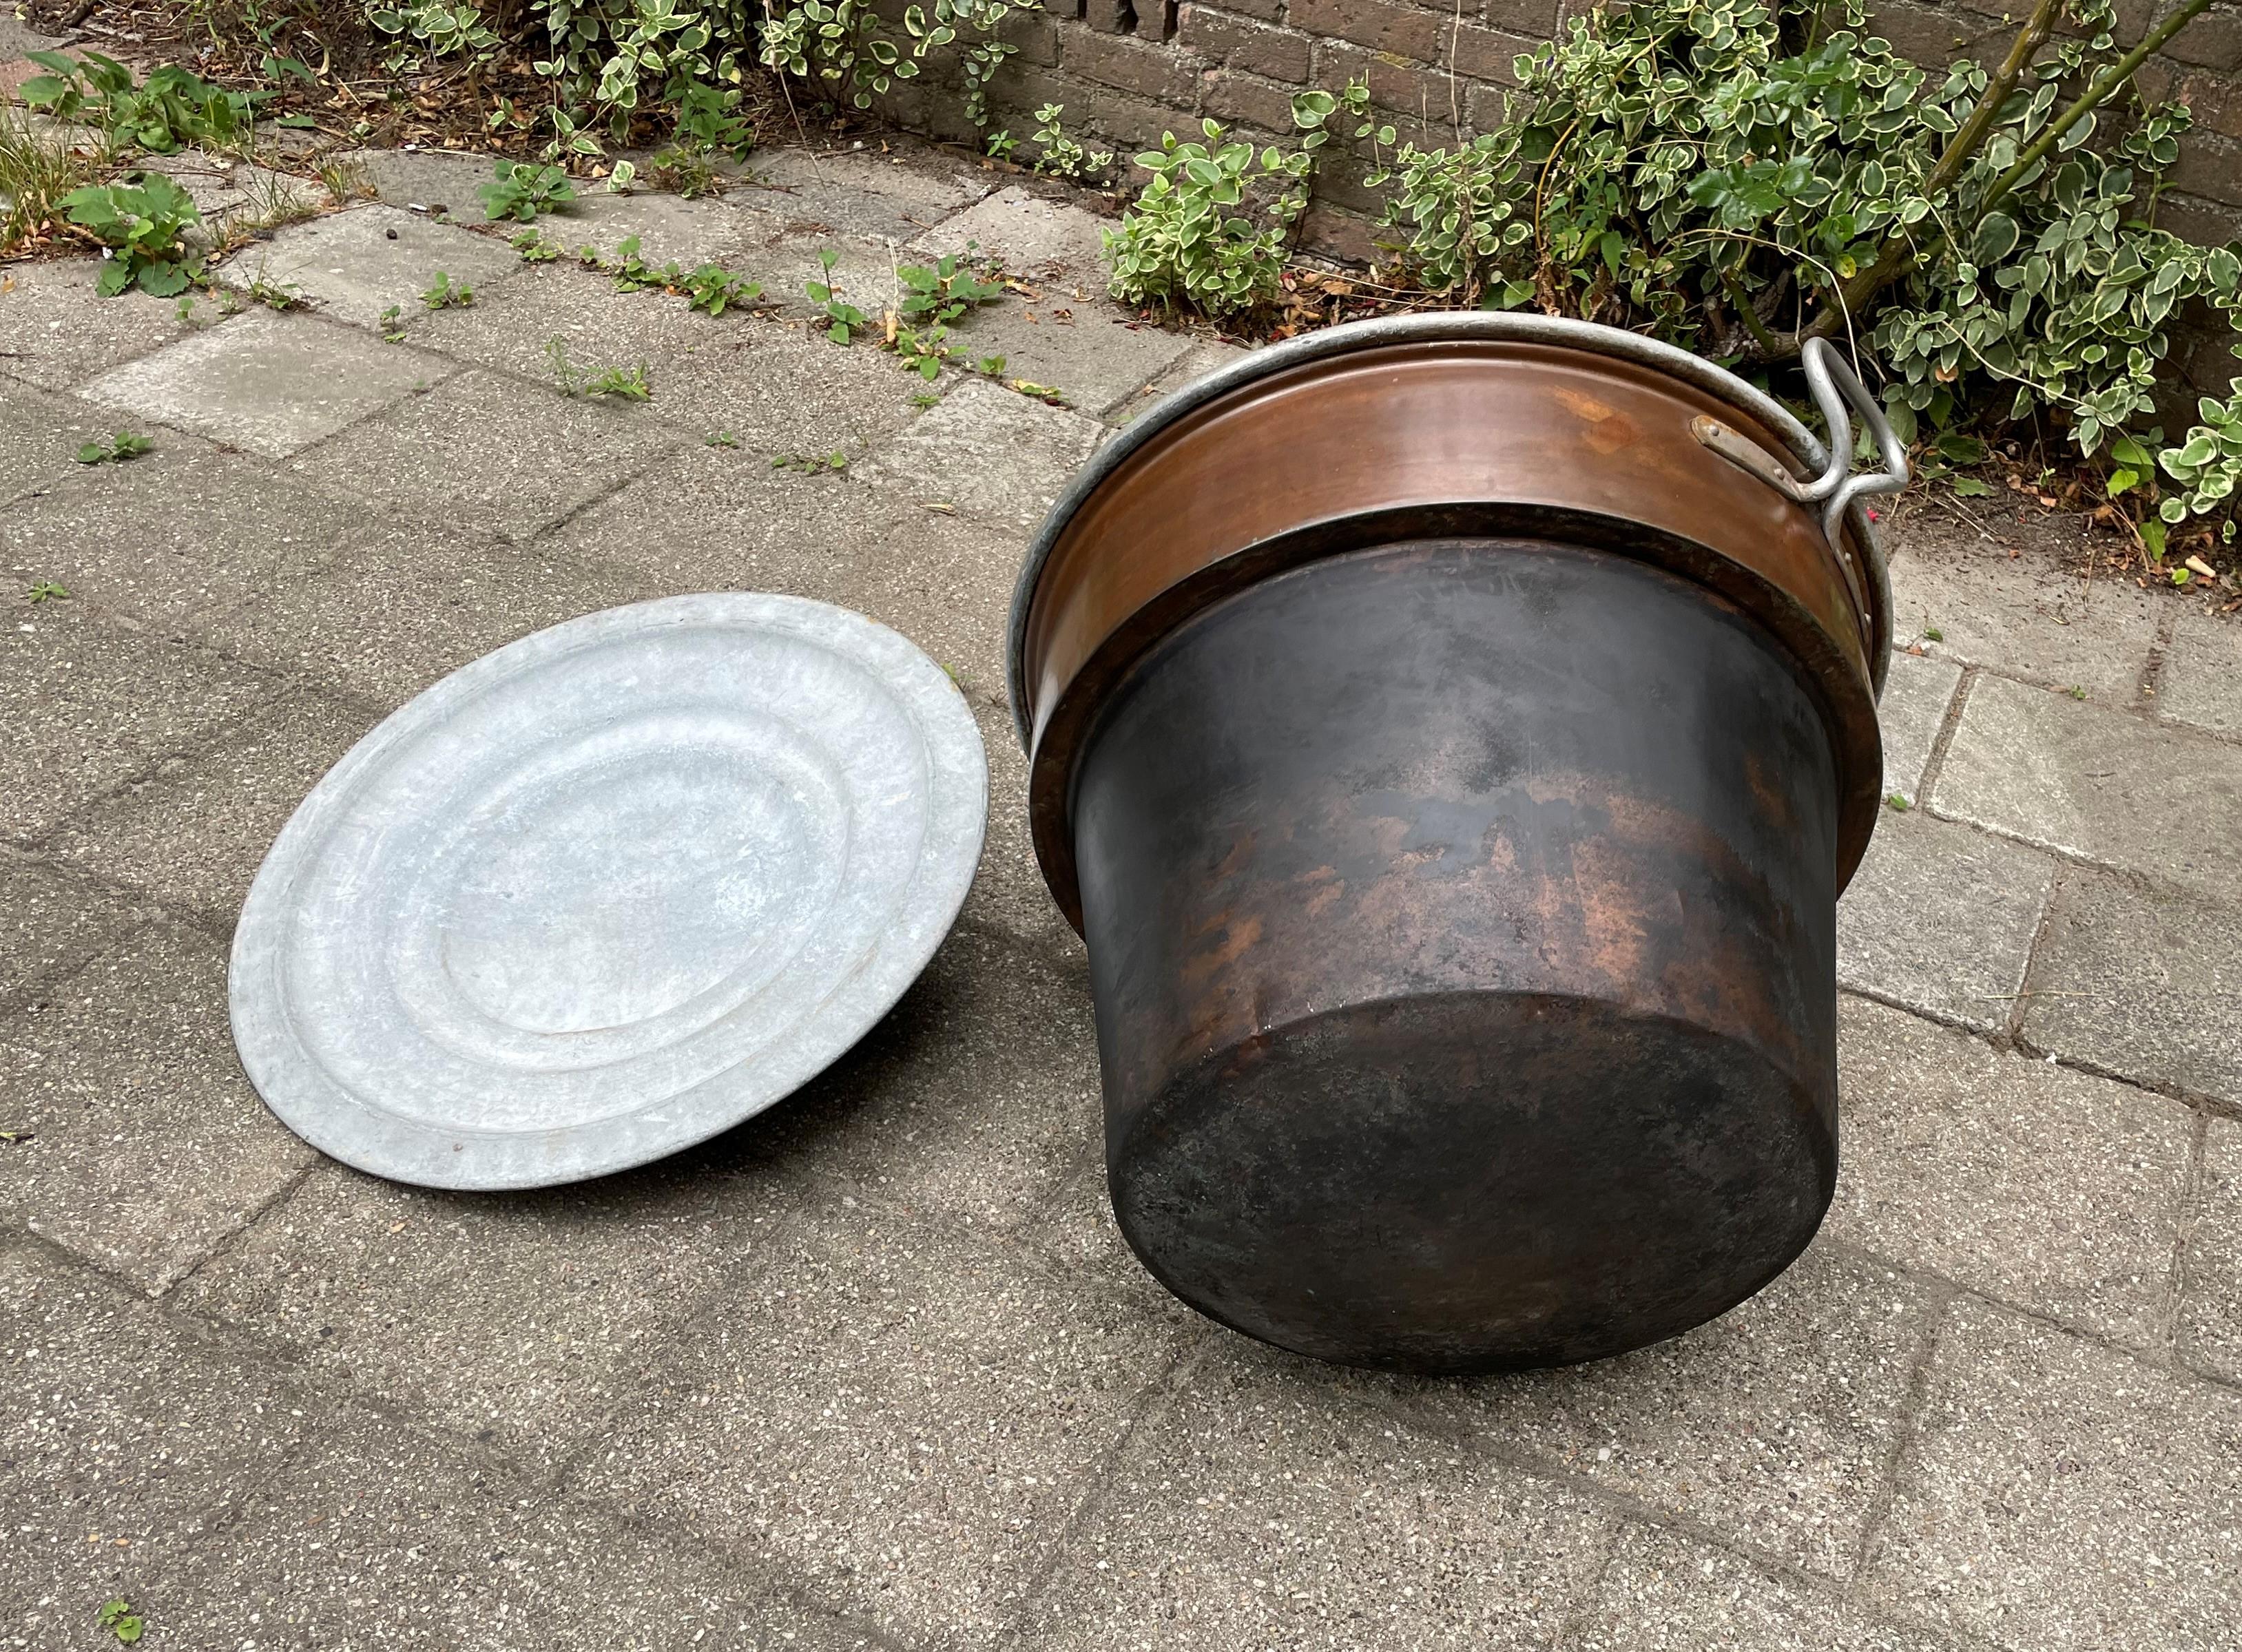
{"x":1836,"y":386}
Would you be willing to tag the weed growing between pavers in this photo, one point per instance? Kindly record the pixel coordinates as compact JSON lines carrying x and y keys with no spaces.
{"x":123,"y":446}
{"x":632,"y":384}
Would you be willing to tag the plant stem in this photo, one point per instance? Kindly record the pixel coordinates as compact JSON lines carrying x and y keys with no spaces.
{"x":2092,"y":99}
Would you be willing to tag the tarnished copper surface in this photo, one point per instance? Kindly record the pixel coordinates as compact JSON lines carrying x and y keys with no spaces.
{"x":1417,"y":440}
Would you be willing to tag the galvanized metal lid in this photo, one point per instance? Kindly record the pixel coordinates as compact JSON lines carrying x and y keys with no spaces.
{"x":609,"y":891}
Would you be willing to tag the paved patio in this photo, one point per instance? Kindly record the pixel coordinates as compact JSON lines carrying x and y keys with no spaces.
{"x":875,"y":1370}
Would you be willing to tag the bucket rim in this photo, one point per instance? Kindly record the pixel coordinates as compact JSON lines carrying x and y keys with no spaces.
{"x":1422,"y":327}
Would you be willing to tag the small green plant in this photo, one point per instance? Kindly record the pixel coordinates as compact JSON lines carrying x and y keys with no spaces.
{"x":632,"y":273}
{"x":720,"y":438}
{"x":170,"y":110}
{"x":119,"y":449}
{"x":1000,"y":145}
{"x":523,"y":191}
{"x":534,"y":248}
{"x":121,"y":1620}
{"x":843,"y":320}
{"x":1062,"y":156}
{"x":447,"y":294}
{"x":1188,"y":239}
{"x":811,"y":464}
{"x":932,"y":299}
{"x":143,"y":225}
{"x":392,"y":325}
{"x":1933,"y":634}
{"x":2077,"y":693}
{"x":633,"y":384}
{"x":924,"y":399}
{"x":712,"y":289}
{"x":1896,"y":801}
{"x":275,"y":295}
{"x":1047,"y":393}
{"x":46,"y":590}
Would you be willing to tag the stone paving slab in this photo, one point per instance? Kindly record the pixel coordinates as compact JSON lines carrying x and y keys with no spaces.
{"x":56,"y":332}
{"x":1771,"y":1423}
{"x":51,"y":922}
{"x":1094,"y":358}
{"x":2200,"y":684}
{"x":195,"y":831}
{"x":668,"y":230}
{"x":906,"y":1419}
{"x":2210,"y":1335}
{"x":941,"y":458}
{"x":772,"y":390}
{"x":2057,"y":1494}
{"x":1942,"y":919}
{"x":1661,"y":1593}
{"x":1257,"y":1509}
{"x":402,"y":611}
{"x":39,"y":438}
{"x":1030,"y":235}
{"x":858,"y":192}
{"x":184,"y":532}
{"x":131,"y":1440}
{"x":517,"y":1321}
{"x":2019,"y":618}
{"x":107,"y":704}
{"x":484,"y":455}
{"x":2050,"y":1189}
{"x":1202,"y":357}
{"x":2098,"y":784}
{"x":354,"y":265}
{"x":2143,"y":982}
{"x":440,"y":183}
{"x":273,"y":384}
{"x":1910,"y":715}
{"x":148,"y":1148}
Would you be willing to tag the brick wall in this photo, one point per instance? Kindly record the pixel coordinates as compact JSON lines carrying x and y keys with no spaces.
{"x":1129,"y":69}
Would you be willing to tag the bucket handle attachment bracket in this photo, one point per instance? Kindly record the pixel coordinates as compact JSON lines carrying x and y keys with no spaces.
{"x":1835,"y":385}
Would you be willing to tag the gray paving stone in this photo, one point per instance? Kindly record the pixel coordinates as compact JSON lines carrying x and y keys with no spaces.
{"x":859,"y":192}
{"x":670,"y":229}
{"x":1032,"y":237}
{"x":354,"y":264}
{"x":989,"y":452}
{"x":96,"y":704}
{"x":373,"y":1533}
{"x":2058,"y":1494}
{"x":1771,"y":1424}
{"x":436,"y":181}
{"x":2141,"y":982}
{"x":1917,"y":691}
{"x":511,"y":1319}
{"x":1941,"y":918}
{"x":972,"y":1099}
{"x":725,"y":520}
{"x":1094,"y":354}
{"x":395,"y":615}
{"x":182,"y":533}
{"x":273,"y":384}
{"x":195,"y":832}
{"x":2201,"y":681}
{"x":39,"y":436}
{"x":2050,"y":1189}
{"x":2209,"y":1336}
{"x":782,"y":255}
{"x":493,"y":456}
{"x":131,"y":1440}
{"x":905,"y":1418}
{"x":2019,"y":617}
{"x":147,"y":1147}
{"x":771,"y":387}
{"x":51,"y":922}
{"x":1202,"y":357}
{"x":56,"y":332}
{"x":1258,"y":1509}
{"x":1663,"y":1593}
{"x":2095,"y":783}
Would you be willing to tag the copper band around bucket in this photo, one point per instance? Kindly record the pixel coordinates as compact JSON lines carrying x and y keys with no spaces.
{"x":1412,"y":440}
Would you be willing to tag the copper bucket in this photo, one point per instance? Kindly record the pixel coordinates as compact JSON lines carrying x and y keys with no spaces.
{"x":1450,"y":734}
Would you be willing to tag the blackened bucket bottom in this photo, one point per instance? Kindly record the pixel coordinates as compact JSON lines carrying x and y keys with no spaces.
{"x":1475,"y":1181}
{"x":1461,"y":926}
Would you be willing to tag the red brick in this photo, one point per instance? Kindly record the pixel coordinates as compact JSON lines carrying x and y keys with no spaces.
{"x":1166,"y":74}
{"x":1116,"y":16}
{"x":1485,"y":54}
{"x":1404,"y":31}
{"x":2204,"y":223}
{"x":1419,"y":95}
{"x":1228,"y":96}
{"x":1276,"y":54}
{"x":1035,"y":33}
{"x":1334,"y":233}
{"x":1535,"y":18}
{"x":2213,"y":40}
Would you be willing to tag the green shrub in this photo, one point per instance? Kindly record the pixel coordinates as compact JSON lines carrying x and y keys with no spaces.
{"x":142,"y":220}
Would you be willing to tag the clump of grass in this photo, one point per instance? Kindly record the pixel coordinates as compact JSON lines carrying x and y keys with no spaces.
{"x":37,"y":171}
